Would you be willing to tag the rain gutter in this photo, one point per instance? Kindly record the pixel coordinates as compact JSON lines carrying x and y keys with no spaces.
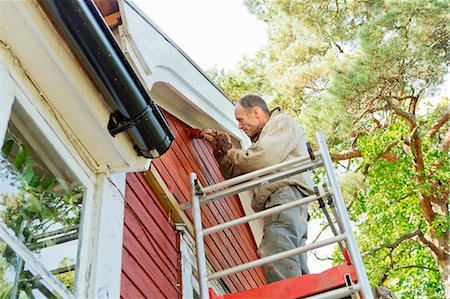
{"x":95,"y":46}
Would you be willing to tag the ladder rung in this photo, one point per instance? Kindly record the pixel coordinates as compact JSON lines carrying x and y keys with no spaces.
{"x":293,"y":204}
{"x":275,"y":257}
{"x":337,"y":293}
{"x":261,"y":181}
{"x":257,"y":173}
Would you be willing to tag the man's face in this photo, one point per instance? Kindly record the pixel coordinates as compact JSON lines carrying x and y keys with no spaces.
{"x":248,"y":120}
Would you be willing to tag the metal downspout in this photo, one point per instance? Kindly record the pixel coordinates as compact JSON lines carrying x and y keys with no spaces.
{"x":93,"y":42}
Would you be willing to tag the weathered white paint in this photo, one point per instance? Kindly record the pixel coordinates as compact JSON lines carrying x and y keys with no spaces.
{"x":100,"y":253}
{"x":99,"y":268}
{"x":29,"y":98}
{"x":186,"y":267}
{"x":42,"y":54}
{"x":193,"y":97}
{"x":6,"y":101}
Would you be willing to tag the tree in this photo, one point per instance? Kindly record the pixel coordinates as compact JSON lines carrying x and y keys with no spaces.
{"x":34,"y":204}
{"x":361,"y":71}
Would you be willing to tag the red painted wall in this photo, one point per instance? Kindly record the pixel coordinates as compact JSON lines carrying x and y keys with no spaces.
{"x":150,"y":265}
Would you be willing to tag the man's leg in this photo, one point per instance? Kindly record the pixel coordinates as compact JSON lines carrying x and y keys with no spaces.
{"x":284,"y":231}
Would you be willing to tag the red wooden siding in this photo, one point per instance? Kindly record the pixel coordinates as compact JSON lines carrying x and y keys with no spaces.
{"x":150,"y":266}
{"x":226,"y":249}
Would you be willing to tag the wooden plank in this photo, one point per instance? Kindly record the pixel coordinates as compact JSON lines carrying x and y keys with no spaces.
{"x":152,"y":268}
{"x":169,"y":201}
{"x":146,"y":249}
{"x":166,"y":246}
{"x":140,"y":176}
{"x":239,"y":235}
{"x":145,"y":284}
{"x":211,"y":213}
{"x":128,"y":289}
{"x":113,"y":20}
{"x":148,"y":203}
{"x":218,"y":260}
{"x":237,"y":207}
{"x":234,"y":206}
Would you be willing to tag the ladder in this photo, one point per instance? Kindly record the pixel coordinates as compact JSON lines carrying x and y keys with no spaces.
{"x":337,"y":282}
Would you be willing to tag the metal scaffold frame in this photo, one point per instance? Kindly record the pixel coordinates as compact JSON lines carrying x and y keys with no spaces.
{"x":201,"y":195}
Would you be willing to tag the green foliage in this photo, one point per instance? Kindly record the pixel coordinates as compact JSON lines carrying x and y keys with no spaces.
{"x":5,"y":287}
{"x":67,"y":278}
{"x":39,"y":202}
{"x":360,"y":71}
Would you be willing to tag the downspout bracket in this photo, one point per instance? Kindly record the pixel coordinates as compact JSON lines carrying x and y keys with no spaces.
{"x":118,"y":122}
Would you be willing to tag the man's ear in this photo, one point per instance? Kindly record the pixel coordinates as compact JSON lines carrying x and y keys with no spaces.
{"x":256,"y":111}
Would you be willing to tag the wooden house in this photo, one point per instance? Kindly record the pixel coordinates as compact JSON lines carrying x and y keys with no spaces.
{"x":103,"y":99}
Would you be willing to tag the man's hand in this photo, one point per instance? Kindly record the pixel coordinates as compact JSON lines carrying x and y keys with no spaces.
{"x":222,"y":143}
{"x":208,"y":134}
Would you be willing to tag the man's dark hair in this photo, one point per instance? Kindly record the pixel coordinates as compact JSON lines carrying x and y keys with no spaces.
{"x":250,"y":100}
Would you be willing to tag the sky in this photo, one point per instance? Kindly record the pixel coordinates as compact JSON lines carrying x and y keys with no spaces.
{"x":211,"y":32}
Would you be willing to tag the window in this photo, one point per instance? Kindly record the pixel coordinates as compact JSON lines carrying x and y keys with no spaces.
{"x":41,"y":200}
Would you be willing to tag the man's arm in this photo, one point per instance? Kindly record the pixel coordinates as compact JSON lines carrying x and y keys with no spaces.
{"x":221,"y":144}
{"x":278,"y":140}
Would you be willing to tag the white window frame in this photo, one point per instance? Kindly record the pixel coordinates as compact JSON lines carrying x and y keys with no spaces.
{"x":99,"y":258}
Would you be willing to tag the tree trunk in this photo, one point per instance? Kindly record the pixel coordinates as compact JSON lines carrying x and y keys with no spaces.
{"x":444,"y":266}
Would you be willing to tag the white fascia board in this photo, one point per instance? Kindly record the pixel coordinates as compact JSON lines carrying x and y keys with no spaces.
{"x":169,"y":64}
{"x":35,"y":48}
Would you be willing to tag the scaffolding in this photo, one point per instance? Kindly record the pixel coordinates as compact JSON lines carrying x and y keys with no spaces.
{"x":338,"y":282}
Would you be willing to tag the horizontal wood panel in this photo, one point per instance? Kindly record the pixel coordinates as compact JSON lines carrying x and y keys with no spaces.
{"x":150,"y":253}
{"x":145,"y":283}
{"x":129,"y":288}
{"x":232,"y":247}
{"x":150,"y":250}
{"x":145,"y":251}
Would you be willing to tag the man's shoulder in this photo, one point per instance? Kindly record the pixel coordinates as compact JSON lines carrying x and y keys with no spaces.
{"x":278,"y":115}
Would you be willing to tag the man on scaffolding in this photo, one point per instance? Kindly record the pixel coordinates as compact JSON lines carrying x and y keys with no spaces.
{"x":275,"y":138}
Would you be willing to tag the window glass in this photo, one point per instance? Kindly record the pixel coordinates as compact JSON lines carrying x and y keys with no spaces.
{"x":40,"y":201}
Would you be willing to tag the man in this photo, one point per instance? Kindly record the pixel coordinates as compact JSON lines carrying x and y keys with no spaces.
{"x":275,"y":138}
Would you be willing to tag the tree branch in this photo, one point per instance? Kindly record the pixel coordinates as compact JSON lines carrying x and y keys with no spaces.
{"x":432,"y":247}
{"x":346,"y":155}
{"x":394,"y":245}
{"x":388,"y":156}
{"x":339,"y":48}
{"x":437,"y":125}
{"x":446,"y":142}
{"x":409,"y":117}
{"x":357,"y":154}
{"x":320,"y":258}
{"x":320,"y":233}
